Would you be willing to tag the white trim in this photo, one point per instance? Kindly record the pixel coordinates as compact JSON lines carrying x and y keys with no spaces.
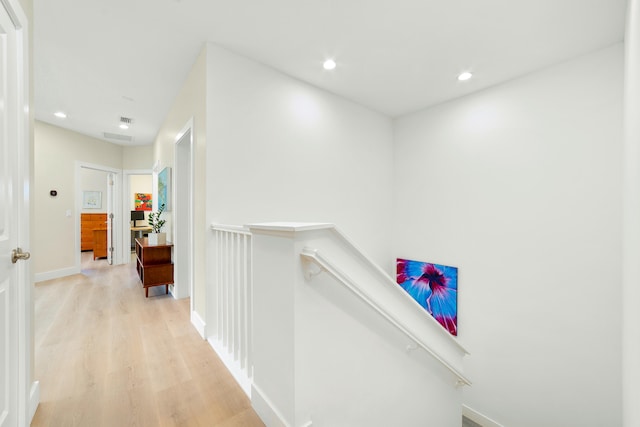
{"x":188,"y":261}
{"x":267,"y":412}
{"x":34,"y":399}
{"x":56,"y":274}
{"x":239,"y":229}
{"x":199,"y":324}
{"x":232,"y":366}
{"x":265,"y":409}
{"x":288,"y":227}
{"x":477,"y":417}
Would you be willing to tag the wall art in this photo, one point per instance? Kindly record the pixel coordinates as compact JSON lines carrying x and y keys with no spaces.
{"x":143,"y":202}
{"x":91,"y":199}
{"x":164,"y":185}
{"x":434,"y":287}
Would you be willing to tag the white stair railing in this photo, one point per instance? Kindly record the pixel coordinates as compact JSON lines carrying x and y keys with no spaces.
{"x":232,"y":336}
{"x":314,"y":256}
{"x":265,"y":347}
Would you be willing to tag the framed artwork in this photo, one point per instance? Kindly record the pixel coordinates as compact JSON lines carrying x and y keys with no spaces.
{"x":164,"y":186}
{"x":434,"y":287}
{"x":143,"y":202}
{"x":91,"y":199}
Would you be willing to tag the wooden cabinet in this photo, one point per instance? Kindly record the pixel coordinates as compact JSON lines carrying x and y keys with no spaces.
{"x":100,"y":243}
{"x":88,"y":223}
{"x":154,"y":264}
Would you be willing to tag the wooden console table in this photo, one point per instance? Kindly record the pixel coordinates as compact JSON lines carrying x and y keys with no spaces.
{"x":154,"y":264}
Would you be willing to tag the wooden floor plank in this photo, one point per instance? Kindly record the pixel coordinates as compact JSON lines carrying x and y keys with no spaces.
{"x":108,"y":356}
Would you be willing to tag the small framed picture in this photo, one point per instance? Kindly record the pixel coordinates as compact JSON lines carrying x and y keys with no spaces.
{"x":91,"y":199}
{"x":164,"y":189}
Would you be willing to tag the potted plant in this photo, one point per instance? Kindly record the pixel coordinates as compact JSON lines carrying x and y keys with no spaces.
{"x":156,"y":237}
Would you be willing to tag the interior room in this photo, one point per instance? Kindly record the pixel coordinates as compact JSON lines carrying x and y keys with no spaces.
{"x":140,"y":205}
{"x":93,"y":217}
{"x":326,"y":168}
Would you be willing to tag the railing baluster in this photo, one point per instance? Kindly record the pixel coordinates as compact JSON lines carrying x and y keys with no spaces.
{"x":218,"y":293}
{"x":225,"y":330}
{"x":233,"y":295}
{"x":250,"y":306}
{"x":240,"y":302}
{"x":247,"y":306}
{"x":230,"y":305}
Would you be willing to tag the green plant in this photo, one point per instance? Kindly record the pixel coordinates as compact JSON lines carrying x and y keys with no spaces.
{"x":154,"y":220}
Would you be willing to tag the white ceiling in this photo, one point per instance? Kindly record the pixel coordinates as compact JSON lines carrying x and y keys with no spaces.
{"x":99,"y":60}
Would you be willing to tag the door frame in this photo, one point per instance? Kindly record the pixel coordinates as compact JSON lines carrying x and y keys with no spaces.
{"x":116,"y":208}
{"x":183,"y":213}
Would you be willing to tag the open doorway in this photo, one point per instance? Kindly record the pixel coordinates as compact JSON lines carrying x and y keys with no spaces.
{"x":137,"y":205}
{"x":98,"y":190}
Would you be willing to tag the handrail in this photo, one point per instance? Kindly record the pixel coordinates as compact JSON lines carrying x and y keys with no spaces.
{"x":314,"y":256}
{"x":232,"y":228}
{"x":389,"y":279}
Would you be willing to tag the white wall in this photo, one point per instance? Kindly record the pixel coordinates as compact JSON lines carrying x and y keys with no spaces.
{"x":137,"y":157}
{"x":520,"y":187}
{"x":190,"y":104}
{"x":56,"y":152}
{"x":325,"y":355}
{"x":282,"y":150}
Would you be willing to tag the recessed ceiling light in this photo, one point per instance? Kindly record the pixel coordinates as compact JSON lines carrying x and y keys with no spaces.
{"x":60,"y":115}
{"x":329,"y":64}
{"x":464,"y":76}
{"x":124,"y":126}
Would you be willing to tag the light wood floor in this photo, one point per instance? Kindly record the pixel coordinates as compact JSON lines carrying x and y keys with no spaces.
{"x":108,"y":356}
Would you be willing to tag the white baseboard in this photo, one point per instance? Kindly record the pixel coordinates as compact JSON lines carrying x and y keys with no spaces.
{"x":265,"y":409}
{"x":199,"y":324}
{"x":34,"y":399}
{"x":233,"y":366}
{"x":56,"y":274}
{"x":267,"y":412}
{"x":477,"y":417}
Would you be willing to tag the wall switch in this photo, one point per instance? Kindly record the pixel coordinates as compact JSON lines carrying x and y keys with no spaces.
{"x":68,"y":212}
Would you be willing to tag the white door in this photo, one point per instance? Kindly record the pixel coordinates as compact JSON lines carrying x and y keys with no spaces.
{"x":13,"y":231}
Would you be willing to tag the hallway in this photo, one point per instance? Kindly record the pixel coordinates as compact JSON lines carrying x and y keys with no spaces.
{"x":107,"y":356}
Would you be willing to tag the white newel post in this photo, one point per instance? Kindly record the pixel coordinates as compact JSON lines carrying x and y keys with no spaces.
{"x":631,"y":235}
{"x":276,"y":270}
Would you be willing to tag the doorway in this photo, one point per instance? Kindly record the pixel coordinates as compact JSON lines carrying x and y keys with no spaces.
{"x":138,"y":186}
{"x":183,"y":214}
{"x":98,"y":201}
